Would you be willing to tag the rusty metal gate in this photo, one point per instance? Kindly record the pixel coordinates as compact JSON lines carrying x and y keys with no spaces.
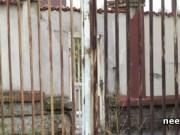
{"x":25,"y":106}
{"x":148,"y":42}
{"x":88,"y":70}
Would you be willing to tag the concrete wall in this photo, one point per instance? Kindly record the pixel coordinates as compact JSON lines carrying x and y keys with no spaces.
{"x":77,"y":29}
{"x":169,"y":47}
{"x":45,"y":52}
{"x":169,"y":55}
{"x":111,"y":50}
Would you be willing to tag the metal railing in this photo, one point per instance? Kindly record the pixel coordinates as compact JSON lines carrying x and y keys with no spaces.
{"x":89,"y":92}
{"x":18,"y":5}
{"x":120,"y":8}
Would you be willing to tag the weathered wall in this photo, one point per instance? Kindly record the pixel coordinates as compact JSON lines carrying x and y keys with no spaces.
{"x":121,"y":120}
{"x":111,"y":49}
{"x":45,"y":52}
{"x":169,"y":54}
{"x":7,"y":125}
{"x":77,"y":29}
{"x":169,"y":47}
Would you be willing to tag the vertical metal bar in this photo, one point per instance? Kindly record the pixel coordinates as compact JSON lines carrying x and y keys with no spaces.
{"x":31,"y":62}
{"x":94,"y":81}
{"x":21,"y":65}
{"x":10,"y":66}
{"x":72,"y":68}
{"x":163,"y":63}
{"x":106,"y":65}
{"x":151,"y":68}
{"x":174,"y":10}
{"x":117,"y":56}
{"x":1,"y":92}
{"x":51,"y":67}
{"x":128,"y":66}
{"x":117,"y":45}
{"x":140,"y":25}
{"x":40,"y":67}
{"x":62,"y":66}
